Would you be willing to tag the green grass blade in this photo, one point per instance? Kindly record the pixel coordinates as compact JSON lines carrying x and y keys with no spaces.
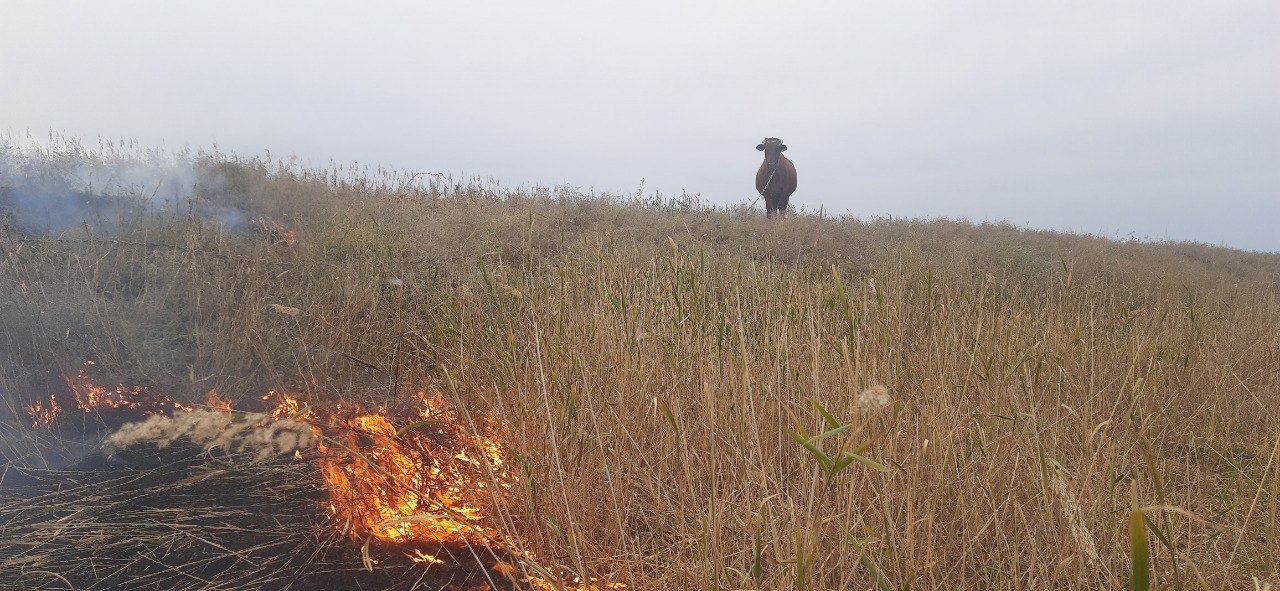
{"x":881,"y":582}
{"x":831,"y":420}
{"x":666,"y":412}
{"x":831,"y":433}
{"x":1164,"y":541}
{"x":1140,"y":575}
{"x":823,"y":459}
{"x":865,"y":461}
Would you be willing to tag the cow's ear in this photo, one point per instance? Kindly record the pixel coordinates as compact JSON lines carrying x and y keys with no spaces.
{"x":782,"y":148}
{"x":760,"y":147}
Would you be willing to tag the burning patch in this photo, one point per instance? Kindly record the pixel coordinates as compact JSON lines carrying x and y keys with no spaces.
{"x":111,"y":404}
{"x":424,"y":481}
{"x":414,"y":486}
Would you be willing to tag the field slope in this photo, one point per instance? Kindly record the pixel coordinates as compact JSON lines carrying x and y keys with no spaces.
{"x":996,"y":402}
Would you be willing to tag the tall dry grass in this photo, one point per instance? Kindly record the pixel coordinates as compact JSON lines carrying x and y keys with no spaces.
{"x":654,"y":362}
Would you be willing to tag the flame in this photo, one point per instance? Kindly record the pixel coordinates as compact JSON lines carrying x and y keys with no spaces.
{"x":91,"y":397}
{"x":288,"y":407}
{"x":45,"y":415}
{"x":274,"y":231}
{"x":412,"y":478}
{"x":213,"y":401}
{"x":420,"y":556}
{"x":425,"y":482}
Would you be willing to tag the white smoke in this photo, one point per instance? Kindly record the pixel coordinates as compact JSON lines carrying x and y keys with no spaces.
{"x":213,"y":429}
{"x":57,"y":185}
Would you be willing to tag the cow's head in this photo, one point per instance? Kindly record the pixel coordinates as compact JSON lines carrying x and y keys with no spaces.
{"x":772,"y":148}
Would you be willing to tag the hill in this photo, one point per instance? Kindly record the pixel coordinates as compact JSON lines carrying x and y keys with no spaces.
{"x":996,"y":403}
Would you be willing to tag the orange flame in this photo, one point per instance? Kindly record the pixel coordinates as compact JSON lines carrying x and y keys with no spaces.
{"x":43,"y":415}
{"x":91,"y":397}
{"x":425,"y":482}
{"x":213,"y":401}
{"x":288,"y":407}
{"x":274,"y":231}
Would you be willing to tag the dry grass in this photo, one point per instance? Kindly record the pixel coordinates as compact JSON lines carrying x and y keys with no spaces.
{"x":163,"y":528}
{"x":179,"y":519}
{"x":652,"y":358}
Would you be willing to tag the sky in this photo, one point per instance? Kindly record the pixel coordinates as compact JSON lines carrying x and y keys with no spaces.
{"x":1148,"y":120}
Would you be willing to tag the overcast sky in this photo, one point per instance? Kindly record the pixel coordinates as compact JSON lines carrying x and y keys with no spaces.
{"x":1133,"y":119}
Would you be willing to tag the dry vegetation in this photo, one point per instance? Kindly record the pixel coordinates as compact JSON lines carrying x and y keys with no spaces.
{"x":654,"y":361}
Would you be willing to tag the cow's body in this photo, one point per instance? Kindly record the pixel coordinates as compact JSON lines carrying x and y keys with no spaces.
{"x":776,"y":179}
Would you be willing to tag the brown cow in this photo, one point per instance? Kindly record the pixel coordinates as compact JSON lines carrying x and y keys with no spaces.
{"x":776,"y":179}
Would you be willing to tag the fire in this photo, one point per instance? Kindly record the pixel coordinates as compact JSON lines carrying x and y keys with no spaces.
{"x":90,"y":397}
{"x":43,"y":415}
{"x":414,"y":478}
{"x":288,"y":407}
{"x":423,"y":482}
{"x":213,"y":401}
{"x":420,"y":556}
{"x":274,"y":231}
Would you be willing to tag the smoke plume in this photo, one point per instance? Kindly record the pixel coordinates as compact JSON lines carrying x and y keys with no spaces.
{"x":60,"y":186}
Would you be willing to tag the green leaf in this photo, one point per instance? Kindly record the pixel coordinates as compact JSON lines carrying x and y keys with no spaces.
{"x":831,"y":433}
{"x":842,"y":462}
{"x":1159,"y":534}
{"x":524,"y":462}
{"x":860,"y":542}
{"x":801,"y":430}
{"x":757,"y":562}
{"x":1140,"y":575}
{"x":799,"y":437}
{"x":831,"y":420}
{"x":881,"y":583}
{"x":666,"y":411}
{"x":1149,"y":459}
{"x":865,"y":461}
{"x":823,"y":459}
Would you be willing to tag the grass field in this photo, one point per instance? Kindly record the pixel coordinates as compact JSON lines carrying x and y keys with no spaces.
{"x":998,"y":404}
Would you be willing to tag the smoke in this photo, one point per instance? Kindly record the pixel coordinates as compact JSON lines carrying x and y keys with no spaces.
{"x":34,"y":209}
{"x":214,"y":429}
{"x":60,"y":185}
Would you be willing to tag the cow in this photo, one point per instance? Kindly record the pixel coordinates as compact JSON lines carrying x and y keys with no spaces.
{"x":776,"y":179}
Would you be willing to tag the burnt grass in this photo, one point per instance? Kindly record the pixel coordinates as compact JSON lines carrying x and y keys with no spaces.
{"x":177,"y":518}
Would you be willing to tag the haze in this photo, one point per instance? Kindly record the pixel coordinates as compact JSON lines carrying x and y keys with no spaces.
{"x":1154,"y":120}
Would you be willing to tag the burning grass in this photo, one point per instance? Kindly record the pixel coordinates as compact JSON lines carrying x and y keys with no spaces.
{"x":411,"y":486}
{"x":425,"y":481}
{"x":176,"y":519}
